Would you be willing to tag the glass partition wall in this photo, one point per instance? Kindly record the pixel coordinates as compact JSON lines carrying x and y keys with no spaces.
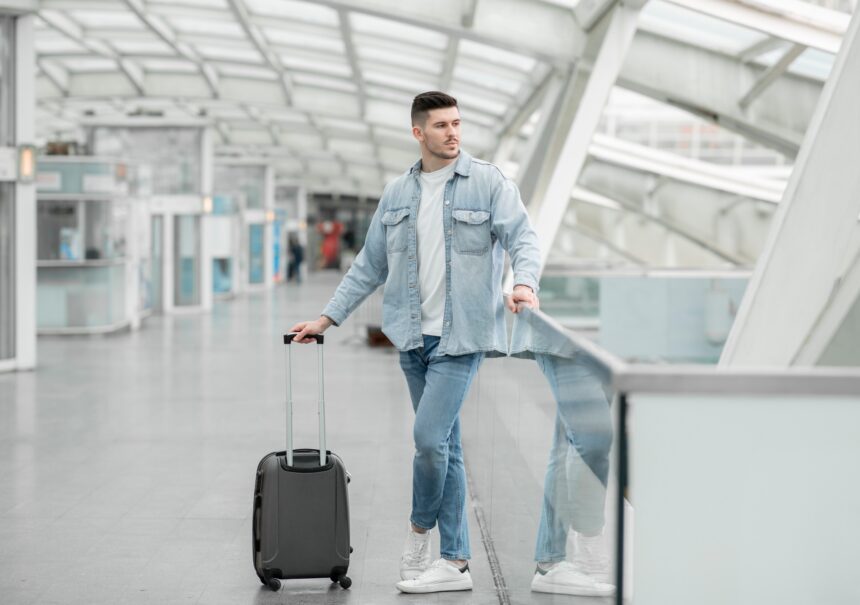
{"x":711,"y":485}
{"x":176,"y":173}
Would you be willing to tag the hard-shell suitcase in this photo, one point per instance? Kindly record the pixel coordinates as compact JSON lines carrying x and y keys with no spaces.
{"x":301,"y":505}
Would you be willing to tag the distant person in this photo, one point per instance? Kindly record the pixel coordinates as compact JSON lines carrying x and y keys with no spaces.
{"x":297,"y":257}
{"x":330,"y":246}
{"x":437,"y":241}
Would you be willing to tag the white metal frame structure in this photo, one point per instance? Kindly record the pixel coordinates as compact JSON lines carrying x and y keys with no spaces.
{"x":320,"y":90}
{"x":24,"y":192}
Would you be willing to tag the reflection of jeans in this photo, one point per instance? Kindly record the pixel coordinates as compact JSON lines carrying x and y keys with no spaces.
{"x":438,"y":385}
{"x":578,"y":469}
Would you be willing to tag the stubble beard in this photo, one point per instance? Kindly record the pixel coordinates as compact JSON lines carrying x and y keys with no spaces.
{"x":442,"y":154}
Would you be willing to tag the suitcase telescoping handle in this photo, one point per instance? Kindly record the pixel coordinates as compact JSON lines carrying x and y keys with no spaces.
{"x":288,"y":339}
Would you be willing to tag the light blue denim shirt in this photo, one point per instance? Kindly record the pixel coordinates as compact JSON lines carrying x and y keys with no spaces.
{"x":483,"y":216}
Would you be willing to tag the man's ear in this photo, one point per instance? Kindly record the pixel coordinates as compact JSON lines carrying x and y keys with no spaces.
{"x":418,"y":133}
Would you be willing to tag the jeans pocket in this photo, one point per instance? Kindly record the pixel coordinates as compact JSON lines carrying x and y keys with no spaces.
{"x":396,"y":230}
{"x":471,"y":231}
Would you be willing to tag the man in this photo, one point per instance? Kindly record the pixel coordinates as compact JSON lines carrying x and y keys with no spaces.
{"x":437,"y":242}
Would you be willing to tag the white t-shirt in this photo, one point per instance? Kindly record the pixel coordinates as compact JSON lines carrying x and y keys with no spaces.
{"x":431,"y":249}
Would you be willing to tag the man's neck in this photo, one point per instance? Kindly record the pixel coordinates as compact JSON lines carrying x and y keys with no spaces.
{"x":432,"y":163}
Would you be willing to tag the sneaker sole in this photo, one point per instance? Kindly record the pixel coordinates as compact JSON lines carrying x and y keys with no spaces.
{"x":444,"y":587}
{"x":577,"y":591}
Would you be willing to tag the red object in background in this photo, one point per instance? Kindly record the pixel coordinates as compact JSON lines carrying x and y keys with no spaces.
{"x":330,"y":247}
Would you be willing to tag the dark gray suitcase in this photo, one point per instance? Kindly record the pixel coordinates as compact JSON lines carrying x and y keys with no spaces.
{"x":301,"y":506}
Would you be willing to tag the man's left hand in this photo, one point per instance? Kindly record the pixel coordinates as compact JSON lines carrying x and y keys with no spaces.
{"x":522,"y":294}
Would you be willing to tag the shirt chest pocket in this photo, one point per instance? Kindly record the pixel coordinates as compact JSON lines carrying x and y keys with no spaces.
{"x":396,"y":230}
{"x":471,"y":231}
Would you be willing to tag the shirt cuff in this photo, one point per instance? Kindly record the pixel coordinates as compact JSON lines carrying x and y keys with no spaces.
{"x":334,"y":313}
{"x":522,"y":279}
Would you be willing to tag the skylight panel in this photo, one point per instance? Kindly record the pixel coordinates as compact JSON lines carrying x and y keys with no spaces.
{"x":479,"y":102}
{"x":56,"y":45}
{"x":309,"y":40}
{"x":322,"y":65}
{"x":697,"y":29}
{"x":401,"y":82}
{"x":324,"y":82}
{"x":168,"y":65}
{"x":387,"y":28}
{"x":193,"y":3}
{"x":141,"y":47}
{"x":295,"y":10}
{"x":487,"y":79}
{"x":83,"y":64}
{"x":420,"y":62}
{"x":246,"y":71}
{"x":497,"y":55}
{"x":93,"y":19}
{"x":210,"y":27}
{"x":230,"y":53}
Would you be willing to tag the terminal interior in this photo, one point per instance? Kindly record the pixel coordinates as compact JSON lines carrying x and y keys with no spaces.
{"x":182,"y":181}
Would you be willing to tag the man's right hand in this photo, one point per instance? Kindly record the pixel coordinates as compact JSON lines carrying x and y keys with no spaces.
{"x":303,"y":329}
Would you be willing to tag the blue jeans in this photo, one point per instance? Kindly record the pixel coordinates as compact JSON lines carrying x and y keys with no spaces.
{"x":578,"y":469}
{"x":438,"y":385}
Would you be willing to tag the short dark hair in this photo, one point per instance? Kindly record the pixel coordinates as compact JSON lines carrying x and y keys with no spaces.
{"x":423,"y":103}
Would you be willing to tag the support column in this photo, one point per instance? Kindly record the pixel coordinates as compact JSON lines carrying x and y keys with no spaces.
{"x":612,"y":37}
{"x":25,"y":199}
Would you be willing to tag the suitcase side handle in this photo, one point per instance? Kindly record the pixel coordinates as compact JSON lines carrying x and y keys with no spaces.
{"x":288,"y":338}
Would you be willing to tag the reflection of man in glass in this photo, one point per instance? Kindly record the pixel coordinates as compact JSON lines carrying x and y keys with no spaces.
{"x":576,"y":476}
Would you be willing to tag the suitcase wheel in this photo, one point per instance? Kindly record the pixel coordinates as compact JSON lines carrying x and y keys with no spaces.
{"x":274,"y":584}
{"x":343,"y":580}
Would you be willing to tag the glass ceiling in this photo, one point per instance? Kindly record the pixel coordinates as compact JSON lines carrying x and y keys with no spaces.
{"x":333,"y":79}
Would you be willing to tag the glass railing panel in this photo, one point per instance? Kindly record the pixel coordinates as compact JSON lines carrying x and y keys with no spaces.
{"x":654,"y":317}
{"x":744,"y":499}
{"x":88,"y":295}
{"x":538,"y":437}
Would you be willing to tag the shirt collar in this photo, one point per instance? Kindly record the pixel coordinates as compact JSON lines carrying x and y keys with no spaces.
{"x":462,"y":166}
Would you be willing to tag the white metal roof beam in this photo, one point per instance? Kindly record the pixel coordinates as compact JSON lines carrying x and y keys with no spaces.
{"x":768,"y":22}
{"x":69,"y":28}
{"x":614,"y":43}
{"x":57,"y":75}
{"x":163,"y":31}
{"x":754,"y":51}
{"x":587,"y":195}
{"x":704,"y":83}
{"x":449,"y":64}
{"x":352,"y":57}
{"x":259,"y":41}
{"x":804,"y":286}
{"x":695,"y":172}
{"x":772,"y":74}
{"x":601,"y":239}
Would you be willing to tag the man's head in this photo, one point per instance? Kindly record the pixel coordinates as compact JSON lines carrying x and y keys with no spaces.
{"x":436,"y":124}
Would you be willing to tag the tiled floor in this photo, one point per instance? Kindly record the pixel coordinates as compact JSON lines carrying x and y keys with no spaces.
{"x":127,"y":462}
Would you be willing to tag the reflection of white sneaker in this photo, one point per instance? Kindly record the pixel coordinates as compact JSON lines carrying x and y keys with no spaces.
{"x":564,"y":578}
{"x":416,"y":554}
{"x":592,"y":557}
{"x":441,"y":576}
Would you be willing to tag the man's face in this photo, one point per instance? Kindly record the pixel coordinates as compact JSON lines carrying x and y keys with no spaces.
{"x":440,"y":134}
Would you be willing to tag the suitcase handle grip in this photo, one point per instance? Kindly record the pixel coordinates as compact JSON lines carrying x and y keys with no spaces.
{"x":288,"y":338}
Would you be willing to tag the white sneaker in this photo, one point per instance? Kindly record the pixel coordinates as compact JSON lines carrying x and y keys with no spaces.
{"x":591,"y":557}
{"x":441,"y":576}
{"x":416,"y":554}
{"x":564,"y":578}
